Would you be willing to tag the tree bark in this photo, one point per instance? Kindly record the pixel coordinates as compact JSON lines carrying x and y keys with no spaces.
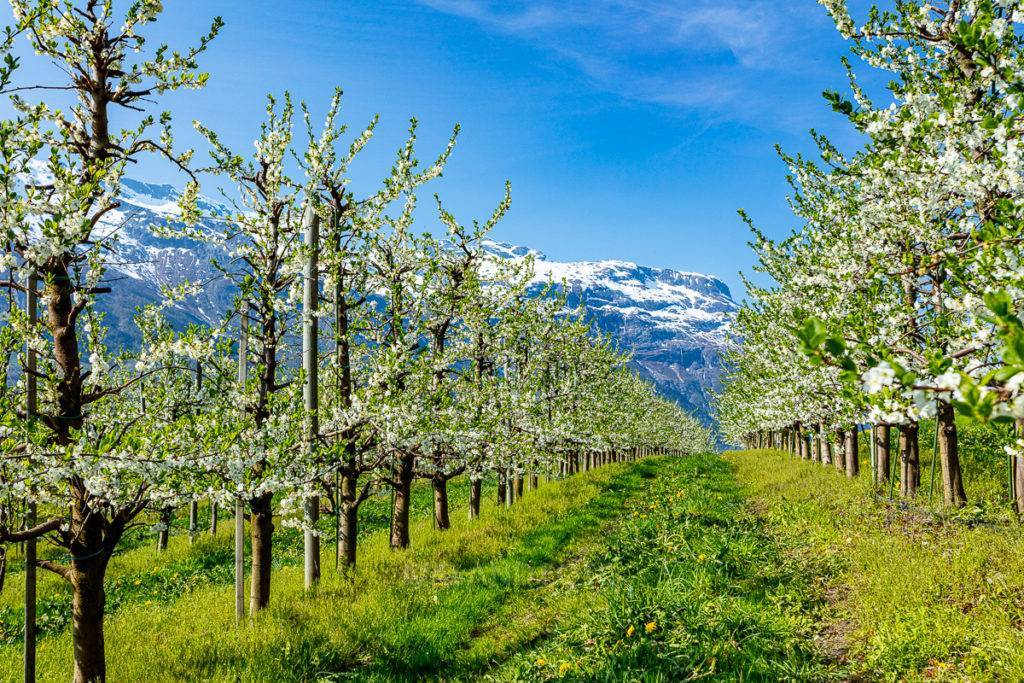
{"x":475,"y":491}
{"x":1018,"y":480}
{"x":503,"y":486}
{"x":852,"y":453}
{"x":840,"y":459}
{"x":519,"y":487}
{"x":403,"y":499}
{"x":883,"y":453}
{"x":87,"y":607}
{"x":910,"y":464}
{"x":949,"y":456}
{"x":348,"y":533}
{"x":164,"y":535}
{"x":441,"y":519}
{"x":261,"y":524}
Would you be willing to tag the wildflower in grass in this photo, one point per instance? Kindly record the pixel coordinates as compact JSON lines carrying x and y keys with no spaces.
{"x":651,"y":626}
{"x":542,"y":662}
{"x":564,"y":668}
{"x":701,"y":557}
{"x":630,"y":631}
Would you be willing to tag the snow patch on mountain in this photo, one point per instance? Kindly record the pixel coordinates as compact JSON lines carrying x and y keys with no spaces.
{"x":674,"y":323}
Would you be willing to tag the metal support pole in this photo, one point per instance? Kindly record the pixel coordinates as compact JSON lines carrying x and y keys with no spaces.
{"x":310,"y":297}
{"x":243,"y":378}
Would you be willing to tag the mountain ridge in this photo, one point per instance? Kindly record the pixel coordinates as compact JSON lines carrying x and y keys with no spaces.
{"x":673,"y":322}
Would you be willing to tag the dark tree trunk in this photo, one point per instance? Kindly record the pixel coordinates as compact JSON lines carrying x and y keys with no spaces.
{"x":883,"y":454}
{"x":403,"y":499}
{"x":1018,"y":481}
{"x":87,"y":607}
{"x":817,"y":455}
{"x":261,"y":524}
{"x":475,"y":491}
{"x":840,"y":459}
{"x":165,"y":529}
{"x":519,"y":487}
{"x":534,"y":482}
{"x":348,"y":532}
{"x":441,"y":519}
{"x":852,"y":453}
{"x":502,"y":488}
{"x":949,"y":457}
{"x":910,"y":463}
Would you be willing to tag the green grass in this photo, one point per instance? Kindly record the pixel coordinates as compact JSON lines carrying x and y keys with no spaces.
{"x":751,"y":567}
{"x":914,"y":595}
{"x":139,"y":575}
{"x":688,"y":586}
{"x":418,"y":613}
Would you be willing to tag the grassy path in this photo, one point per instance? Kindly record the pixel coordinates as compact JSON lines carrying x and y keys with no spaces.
{"x":748,"y":567}
{"x":647,"y":571}
{"x":913,"y":596}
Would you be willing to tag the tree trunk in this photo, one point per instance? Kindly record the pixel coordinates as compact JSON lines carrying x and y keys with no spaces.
{"x":475,"y":491}
{"x":348,"y":533}
{"x":840,"y":459}
{"x":403,"y":498}
{"x":164,"y":535}
{"x":852,"y":453}
{"x":1018,"y":481}
{"x":949,"y":456}
{"x":261,"y":525}
{"x":827,"y":457}
{"x":193,"y":521}
{"x":213,"y":518}
{"x":441,"y":519}
{"x":910,"y":464}
{"x":817,"y":456}
{"x":519,"y":487}
{"x":534,"y":481}
{"x":87,"y":606}
{"x":883,"y":455}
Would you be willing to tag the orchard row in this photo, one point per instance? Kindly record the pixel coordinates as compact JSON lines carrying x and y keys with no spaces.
{"x":361,"y":352}
{"x":899,"y":298}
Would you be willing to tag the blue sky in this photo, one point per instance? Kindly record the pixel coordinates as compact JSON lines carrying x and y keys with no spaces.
{"x":630,"y":129}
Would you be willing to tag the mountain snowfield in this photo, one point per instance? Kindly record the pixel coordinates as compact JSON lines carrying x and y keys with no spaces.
{"x":674,"y":323}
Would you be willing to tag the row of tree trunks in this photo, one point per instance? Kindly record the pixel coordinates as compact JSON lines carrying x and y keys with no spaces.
{"x":799,"y":443}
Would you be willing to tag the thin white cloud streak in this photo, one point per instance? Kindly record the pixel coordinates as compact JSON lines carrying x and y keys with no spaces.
{"x":744,"y":60}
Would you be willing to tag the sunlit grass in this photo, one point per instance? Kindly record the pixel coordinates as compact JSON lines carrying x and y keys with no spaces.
{"x":916,"y":595}
{"x":401,"y":614}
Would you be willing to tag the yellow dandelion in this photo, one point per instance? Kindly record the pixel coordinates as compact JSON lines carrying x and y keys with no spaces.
{"x":651,"y":626}
{"x":137,"y":582}
{"x":564,"y":668}
{"x":148,"y":603}
{"x":630,"y":631}
{"x":542,"y":662}
{"x":701,"y":557}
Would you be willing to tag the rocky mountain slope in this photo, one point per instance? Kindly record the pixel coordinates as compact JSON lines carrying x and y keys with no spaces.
{"x":673,"y":322}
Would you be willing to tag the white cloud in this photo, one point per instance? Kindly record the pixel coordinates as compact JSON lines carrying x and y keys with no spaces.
{"x":710,"y":56}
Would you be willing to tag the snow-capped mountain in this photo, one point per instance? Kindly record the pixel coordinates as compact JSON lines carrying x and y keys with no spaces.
{"x":674,"y":323}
